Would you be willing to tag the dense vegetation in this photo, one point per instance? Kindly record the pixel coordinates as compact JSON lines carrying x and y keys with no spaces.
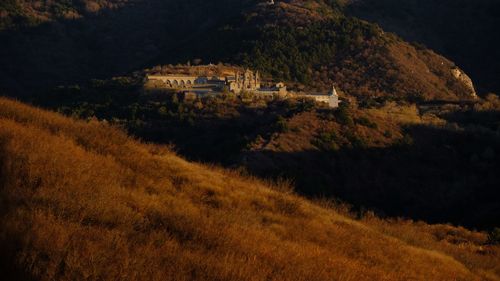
{"x":225,"y":124}
{"x":377,"y":155}
{"x":309,"y":42}
{"x":60,"y":51}
{"x":289,"y":53}
{"x":82,"y":201}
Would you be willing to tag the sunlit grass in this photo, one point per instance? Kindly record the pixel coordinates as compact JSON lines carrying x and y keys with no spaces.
{"x":81,"y":200}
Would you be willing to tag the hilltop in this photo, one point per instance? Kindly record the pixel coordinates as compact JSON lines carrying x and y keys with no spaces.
{"x":311,"y":43}
{"x":464,"y":31}
{"x":81,"y":200}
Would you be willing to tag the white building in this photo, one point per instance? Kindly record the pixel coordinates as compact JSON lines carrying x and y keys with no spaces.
{"x":332,"y":98}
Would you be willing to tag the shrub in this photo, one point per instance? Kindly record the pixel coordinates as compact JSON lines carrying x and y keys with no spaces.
{"x":327,"y":141}
{"x":366,"y":122}
{"x":407,"y":140}
{"x":163,"y":111}
{"x":282,"y":125}
{"x":494,"y":236}
{"x":356,"y":141}
{"x":343,"y":116}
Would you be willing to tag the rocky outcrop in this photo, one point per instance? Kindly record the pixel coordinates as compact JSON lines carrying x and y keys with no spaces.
{"x":465,"y":80}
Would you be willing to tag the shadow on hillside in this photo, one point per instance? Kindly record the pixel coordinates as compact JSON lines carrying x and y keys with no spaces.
{"x":487,"y":119}
{"x":8,"y":268}
{"x":113,"y":42}
{"x":443,"y":26}
{"x":9,"y":244}
{"x":214,"y":141}
{"x":439,"y":175}
{"x":444,"y":176}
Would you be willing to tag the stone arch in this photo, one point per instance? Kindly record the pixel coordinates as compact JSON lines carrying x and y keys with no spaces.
{"x":175,"y":83}
{"x":189,"y":83}
{"x":182,"y":84}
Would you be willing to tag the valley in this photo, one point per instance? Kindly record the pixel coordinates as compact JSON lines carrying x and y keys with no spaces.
{"x":249,"y":140}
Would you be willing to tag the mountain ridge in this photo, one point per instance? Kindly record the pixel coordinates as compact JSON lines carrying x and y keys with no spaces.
{"x":331,"y":47}
{"x":463,"y":31}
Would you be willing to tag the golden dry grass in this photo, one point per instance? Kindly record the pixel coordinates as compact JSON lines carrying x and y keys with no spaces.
{"x":83,"y":201}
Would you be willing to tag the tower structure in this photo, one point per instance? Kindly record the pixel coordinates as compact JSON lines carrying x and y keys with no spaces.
{"x":333,"y":98}
{"x":333,"y":91}
{"x":246,"y":81}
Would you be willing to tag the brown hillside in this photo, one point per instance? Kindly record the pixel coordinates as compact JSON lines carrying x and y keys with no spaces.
{"x":308,"y":42}
{"x":84,"y":201}
{"x":380,"y":66}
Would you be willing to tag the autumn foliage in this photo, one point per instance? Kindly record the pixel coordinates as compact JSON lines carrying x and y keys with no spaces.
{"x":83,"y":201}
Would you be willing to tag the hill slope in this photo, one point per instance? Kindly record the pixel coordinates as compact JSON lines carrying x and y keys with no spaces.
{"x":84,"y":201}
{"x":464,"y":30}
{"x":384,"y":156}
{"x":307,"y":42}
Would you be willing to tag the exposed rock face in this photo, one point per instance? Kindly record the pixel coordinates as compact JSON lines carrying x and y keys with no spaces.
{"x":465,"y":80}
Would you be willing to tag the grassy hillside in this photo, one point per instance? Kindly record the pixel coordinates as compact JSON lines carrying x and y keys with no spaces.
{"x":81,"y":200}
{"x":372,"y":153}
{"x":400,"y":160}
{"x":15,"y":14}
{"x":464,"y":30}
{"x":311,"y":43}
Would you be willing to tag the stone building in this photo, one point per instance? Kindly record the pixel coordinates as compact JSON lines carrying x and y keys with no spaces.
{"x":332,"y":98}
{"x":187,"y":82}
{"x":278,"y":90}
{"x":247,"y":81}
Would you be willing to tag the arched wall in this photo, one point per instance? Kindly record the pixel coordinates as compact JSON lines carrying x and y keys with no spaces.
{"x":182,"y":82}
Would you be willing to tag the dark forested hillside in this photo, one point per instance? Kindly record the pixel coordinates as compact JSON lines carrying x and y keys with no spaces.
{"x":38,"y":53}
{"x":308,"y":42}
{"x":465,"y":31}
